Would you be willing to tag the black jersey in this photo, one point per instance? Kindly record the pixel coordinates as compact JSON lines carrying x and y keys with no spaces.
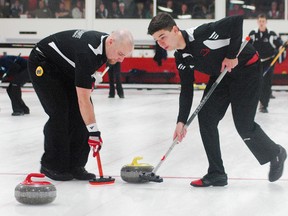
{"x":266,"y":43}
{"x":206,"y":47}
{"x":77,"y":53}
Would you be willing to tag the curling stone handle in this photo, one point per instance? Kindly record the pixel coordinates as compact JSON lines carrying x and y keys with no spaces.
{"x":29,"y":176}
{"x":28,"y":180}
{"x":135,"y":161}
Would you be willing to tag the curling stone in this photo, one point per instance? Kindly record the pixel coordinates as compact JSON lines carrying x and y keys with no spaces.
{"x":131,"y":172}
{"x":35,"y":192}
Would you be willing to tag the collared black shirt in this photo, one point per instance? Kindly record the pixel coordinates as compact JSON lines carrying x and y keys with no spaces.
{"x":77,"y":53}
{"x":266,"y":43}
{"x":206,"y":47}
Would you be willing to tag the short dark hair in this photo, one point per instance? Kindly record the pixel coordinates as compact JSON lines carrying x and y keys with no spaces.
{"x":262,"y":15}
{"x":161,"y":21}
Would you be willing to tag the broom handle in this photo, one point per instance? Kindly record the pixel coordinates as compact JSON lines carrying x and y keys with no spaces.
{"x":105,"y":71}
{"x":99,"y":164}
{"x":203,"y":101}
{"x":283,"y":48}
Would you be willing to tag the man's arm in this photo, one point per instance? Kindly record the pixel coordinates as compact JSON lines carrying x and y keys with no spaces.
{"x":186,"y":95}
{"x":85,"y":105}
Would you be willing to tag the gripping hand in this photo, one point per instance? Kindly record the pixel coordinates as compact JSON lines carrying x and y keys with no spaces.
{"x":94,"y":140}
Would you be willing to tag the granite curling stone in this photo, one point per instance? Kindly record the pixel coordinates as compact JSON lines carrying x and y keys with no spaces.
{"x":35,"y":192}
{"x":131,"y":172}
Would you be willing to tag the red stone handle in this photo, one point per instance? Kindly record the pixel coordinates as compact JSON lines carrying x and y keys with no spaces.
{"x":29,"y":181}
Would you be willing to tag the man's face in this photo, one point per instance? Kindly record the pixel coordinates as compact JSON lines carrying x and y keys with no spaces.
{"x":117,"y":52}
{"x":166,"y":39}
{"x":262,"y":22}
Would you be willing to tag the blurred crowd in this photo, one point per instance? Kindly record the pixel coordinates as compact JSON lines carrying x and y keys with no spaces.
{"x":42,"y":8}
{"x":198,"y":9}
{"x":250,"y":9}
{"x":135,"y":9}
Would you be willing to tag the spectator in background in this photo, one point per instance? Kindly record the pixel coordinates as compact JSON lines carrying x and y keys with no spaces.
{"x":102,"y":11}
{"x":211,"y":11}
{"x":184,"y":13}
{"x":42,"y":11}
{"x":199,"y":11}
{"x":5,"y":9}
{"x":61,"y":12}
{"x":139,"y":10}
{"x":149,"y":13}
{"x":78,"y":11}
{"x":16,"y":9}
{"x":122,"y":10}
{"x":252,"y":13}
{"x":281,"y":10}
{"x":236,"y":10}
{"x":274,"y":13}
{"x":114,"y":13}
{"x":170,"y":5}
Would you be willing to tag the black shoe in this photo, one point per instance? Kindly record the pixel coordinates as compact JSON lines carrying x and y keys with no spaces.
{"x":121,"y":96}
{"x":18,"y":113}
{"x":111,"y":96}
{"x":263,"y":109}
{"x":211,"y":180}
{"x":277,"y":165}
{"x":56,"y":175}
{"x":26,"y":110}
{"x":272,"y":96}
{"x":81,"y":173}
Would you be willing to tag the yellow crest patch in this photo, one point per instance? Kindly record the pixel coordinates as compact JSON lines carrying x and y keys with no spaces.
{"x":39,"y":71}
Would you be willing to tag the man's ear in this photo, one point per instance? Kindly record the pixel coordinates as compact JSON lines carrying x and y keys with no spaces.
{"x":175,"y":29}
{"x":110,"y":40}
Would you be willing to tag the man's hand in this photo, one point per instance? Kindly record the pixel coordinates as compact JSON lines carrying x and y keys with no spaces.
{"x":98,"y":77}
{"x":229,"y":64}
{"x":180,"y":131}
{"x":95,"y":141}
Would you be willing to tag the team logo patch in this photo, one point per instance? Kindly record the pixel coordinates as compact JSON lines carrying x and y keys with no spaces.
{"x":39,"y":71}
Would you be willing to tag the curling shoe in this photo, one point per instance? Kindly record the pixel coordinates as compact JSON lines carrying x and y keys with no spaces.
{"x":56,"y":175}
{"x":211,"y":180}
{"x":18,"y":113}
{"x":277,"y":165}
{"x":263,"y":109}
{"x":80,"y":173}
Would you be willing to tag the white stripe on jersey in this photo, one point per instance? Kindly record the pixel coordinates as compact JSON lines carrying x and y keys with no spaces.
{"x":216,"y":44}
{"x":53,"y":45}
{"x":99,"y":49}
{"x":190,"y":33}
{"x":214,"y":35}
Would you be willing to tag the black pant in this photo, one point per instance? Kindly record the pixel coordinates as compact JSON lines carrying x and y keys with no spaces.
{"x":266,"y":90}
{"x":241,"y":90}
{"x":114,"y":73}
{"x":17,"y":80}
{"x":66,"y":137}
{"x":15,"y":95}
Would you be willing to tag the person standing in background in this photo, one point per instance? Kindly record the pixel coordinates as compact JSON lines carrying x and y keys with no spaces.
{"x":114,"y":73}
{"x":267,"y":43}
{"x":14,"y":69}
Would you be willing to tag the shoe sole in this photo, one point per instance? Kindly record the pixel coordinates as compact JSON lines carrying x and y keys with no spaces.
{"x":215,"y":184}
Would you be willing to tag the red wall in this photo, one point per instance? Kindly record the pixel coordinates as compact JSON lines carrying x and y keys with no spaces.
{"x":149,"y":65}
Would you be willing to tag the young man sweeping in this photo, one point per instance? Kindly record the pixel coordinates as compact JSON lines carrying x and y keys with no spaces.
{"x":210,"y":48}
